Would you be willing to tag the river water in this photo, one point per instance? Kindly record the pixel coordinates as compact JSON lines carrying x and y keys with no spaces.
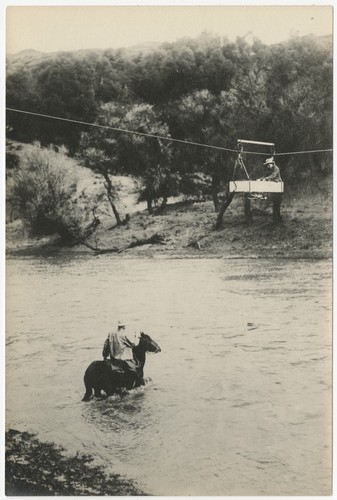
{"x":237,"y":403}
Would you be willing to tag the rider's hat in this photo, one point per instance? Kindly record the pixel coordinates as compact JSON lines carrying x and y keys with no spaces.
{"x":269,"y":161}
{"x":120,"y":323}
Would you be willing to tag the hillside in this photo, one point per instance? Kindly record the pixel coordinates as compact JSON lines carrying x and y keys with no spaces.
{"x":199,"y":92}
{"x":30,"y":58}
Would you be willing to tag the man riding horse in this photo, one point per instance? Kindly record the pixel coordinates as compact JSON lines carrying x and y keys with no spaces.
{"x":119,"y":346}
{"x":113,"y":376}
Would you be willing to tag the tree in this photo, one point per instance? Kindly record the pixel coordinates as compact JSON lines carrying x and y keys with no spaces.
{"x":66,"y":89}
{"x":99,"y":162}
{"x":147,"y":157}
{"x":180,"y":68}
{"x":131,"y":153}
{"x":20,"y":94}
{"x":110,"y":77}
{"x":201,"y":117}
{"x":300,"y":104}
{"x":12,"y":163}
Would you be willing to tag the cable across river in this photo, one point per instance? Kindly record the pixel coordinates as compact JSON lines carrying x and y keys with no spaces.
{"x":165,"y":138}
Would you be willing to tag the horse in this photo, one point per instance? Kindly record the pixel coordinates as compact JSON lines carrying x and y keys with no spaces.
{"x":112,"y":378}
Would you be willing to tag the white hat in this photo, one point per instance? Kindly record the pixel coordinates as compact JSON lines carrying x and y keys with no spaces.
{"x":268,"y":161}
{"x":121,"y":323}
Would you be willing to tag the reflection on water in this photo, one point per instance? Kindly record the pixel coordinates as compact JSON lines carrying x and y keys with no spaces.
{"x":237,"y":402}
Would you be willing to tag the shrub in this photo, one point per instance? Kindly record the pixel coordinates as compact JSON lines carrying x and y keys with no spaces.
{"x":44,"y":192}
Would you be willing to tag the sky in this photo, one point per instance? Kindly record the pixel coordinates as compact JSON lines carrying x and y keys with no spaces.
{"x":55,"y":27}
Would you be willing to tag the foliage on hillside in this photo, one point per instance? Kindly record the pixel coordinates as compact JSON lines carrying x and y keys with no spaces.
{"x":206,"y":91}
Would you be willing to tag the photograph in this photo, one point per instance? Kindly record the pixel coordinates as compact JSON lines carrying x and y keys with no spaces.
{"x":168,"y":250}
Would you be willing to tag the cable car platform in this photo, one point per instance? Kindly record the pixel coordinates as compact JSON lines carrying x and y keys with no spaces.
{"x":256,"y":187}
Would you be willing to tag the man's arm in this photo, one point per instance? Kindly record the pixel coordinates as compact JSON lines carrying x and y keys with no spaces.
{"x":275,"y":174}
{"x":127,"y":342}
{"x":130,"y":343}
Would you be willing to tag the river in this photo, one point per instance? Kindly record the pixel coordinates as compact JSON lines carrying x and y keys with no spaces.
{"x":238,"y":402}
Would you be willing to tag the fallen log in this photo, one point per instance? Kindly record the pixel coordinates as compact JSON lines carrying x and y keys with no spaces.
{"x":154,"y":239}
{"x":195,"y":242}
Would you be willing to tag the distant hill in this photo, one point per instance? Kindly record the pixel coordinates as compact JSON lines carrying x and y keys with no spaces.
{"x":26,"y":58}
{"x":25,"y":53}
{"x":324,"y":42}
{"x":30,"y":57}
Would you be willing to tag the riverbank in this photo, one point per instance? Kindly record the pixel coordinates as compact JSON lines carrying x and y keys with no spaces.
{"x":34,"y":468}
{"x":185,"y":229}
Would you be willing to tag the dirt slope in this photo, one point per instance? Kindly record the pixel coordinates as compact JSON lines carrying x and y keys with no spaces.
{"x":186,"y":229}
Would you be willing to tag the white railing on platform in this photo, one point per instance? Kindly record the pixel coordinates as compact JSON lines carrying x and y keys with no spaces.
{"x":256,"y":187}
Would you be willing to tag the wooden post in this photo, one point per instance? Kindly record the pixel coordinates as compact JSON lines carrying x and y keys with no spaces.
{"x":248,"y":210}
{"x":225,"y":204}
{"x":277,"y":198}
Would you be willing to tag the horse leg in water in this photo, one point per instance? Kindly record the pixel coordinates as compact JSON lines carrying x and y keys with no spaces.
{"x":87,"y":395}
{"x":97,"y":392}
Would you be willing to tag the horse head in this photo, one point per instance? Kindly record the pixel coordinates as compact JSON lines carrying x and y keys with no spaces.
{"x":148,"y":344}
